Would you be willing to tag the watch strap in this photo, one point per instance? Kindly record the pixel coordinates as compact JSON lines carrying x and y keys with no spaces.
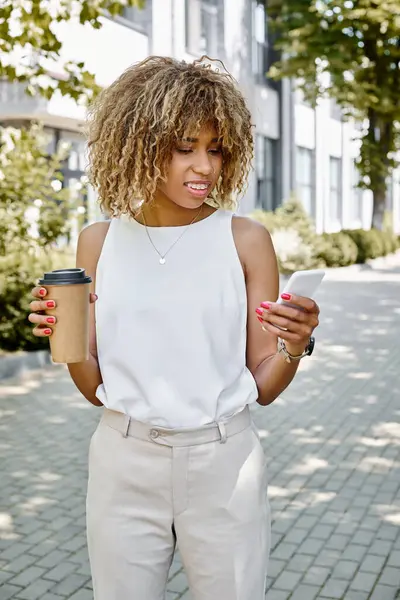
{"x":290,"y":357}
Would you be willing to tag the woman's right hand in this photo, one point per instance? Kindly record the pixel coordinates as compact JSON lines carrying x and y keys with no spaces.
{"x":44,"y":322}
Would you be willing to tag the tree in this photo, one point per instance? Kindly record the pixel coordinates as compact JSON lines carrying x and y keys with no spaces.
{"x":28,"y":38}
{"x":348,"y":50}
{"x":34,"y":214}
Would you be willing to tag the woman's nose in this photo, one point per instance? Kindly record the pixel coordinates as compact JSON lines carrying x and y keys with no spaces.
{"x":203,"y":165}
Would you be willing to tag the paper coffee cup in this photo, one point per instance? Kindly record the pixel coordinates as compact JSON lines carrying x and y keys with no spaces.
{"x":70,"y":289}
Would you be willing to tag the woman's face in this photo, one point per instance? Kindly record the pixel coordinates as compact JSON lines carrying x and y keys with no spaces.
{"x":194,"y":169}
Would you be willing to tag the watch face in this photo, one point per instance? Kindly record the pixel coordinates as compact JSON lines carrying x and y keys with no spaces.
{"x":310,"y":346}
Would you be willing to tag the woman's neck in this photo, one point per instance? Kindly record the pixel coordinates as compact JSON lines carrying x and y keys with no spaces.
{"x":160,"y":214}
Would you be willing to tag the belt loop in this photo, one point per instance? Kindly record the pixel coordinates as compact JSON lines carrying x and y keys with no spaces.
{"x":222,"y":432}
{"x":127,"y":422}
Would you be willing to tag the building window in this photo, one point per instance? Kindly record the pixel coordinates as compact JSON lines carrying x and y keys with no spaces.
{"x":305,"y":179}
{"x":357,"y":194}
{"x":202,"y":27}
{"x":335,"y":111}
{"x":389,"y":193}
{"x":335,"y":189}
{"x":266,"y":170}
{"x":138,"y":18}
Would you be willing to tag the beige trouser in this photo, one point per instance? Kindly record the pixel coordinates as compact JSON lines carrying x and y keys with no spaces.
{"x":204,"y":488}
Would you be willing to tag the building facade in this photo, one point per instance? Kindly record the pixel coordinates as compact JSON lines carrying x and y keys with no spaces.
{"x":298,"y":150}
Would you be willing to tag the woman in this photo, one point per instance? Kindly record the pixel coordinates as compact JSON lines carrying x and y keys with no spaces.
{"x":183,"y":338}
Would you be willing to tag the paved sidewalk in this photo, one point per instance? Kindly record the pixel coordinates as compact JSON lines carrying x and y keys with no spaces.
{"x":333,"y":447}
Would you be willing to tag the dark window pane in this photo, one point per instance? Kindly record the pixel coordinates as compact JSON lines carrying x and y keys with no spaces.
{"x":305,"y":181}
{"x":266,"y":166}
{"x":140,"y":18}
{"x":335,"y":199}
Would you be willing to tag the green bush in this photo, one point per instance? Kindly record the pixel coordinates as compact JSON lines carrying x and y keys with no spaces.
{"x":19,"y":273}
{"x":337,"y":249}
{"x":33,"y":216}
{"x":293,"y":234}
{"x":369,"y":243}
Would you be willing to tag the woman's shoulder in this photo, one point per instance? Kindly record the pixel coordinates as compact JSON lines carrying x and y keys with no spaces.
{"x":91,"y":238}
{"x":250,"y":232}
{"x":253,"y":242}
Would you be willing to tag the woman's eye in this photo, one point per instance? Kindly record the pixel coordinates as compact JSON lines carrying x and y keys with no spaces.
{"x":183,"y":150}
{"x":215,"y":151}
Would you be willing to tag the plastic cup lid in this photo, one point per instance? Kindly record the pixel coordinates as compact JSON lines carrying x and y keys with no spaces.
{"x":65,"y":277}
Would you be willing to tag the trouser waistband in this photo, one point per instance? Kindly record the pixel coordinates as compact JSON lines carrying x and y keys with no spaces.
{"x":213,"y":432}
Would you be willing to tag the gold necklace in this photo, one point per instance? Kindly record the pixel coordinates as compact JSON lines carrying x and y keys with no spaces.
{"x":162,"y":259}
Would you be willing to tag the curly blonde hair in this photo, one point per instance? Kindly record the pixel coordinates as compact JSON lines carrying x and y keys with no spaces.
{"x":134,"y":124}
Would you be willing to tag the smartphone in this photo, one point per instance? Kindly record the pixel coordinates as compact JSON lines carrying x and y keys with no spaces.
{"x":303,"y":283}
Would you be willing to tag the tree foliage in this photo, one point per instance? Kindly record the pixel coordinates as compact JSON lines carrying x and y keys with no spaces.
{"x":29,"y":39}
{"x":34,"y":214}
{"x":348,"y":50}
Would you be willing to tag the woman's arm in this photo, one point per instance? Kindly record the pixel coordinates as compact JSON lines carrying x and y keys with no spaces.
{"x":270,"y":370}
{"x":86,"y":375}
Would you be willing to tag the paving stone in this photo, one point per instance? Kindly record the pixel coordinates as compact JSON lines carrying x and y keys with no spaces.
{"x":394,"y":559}
{"x":296,"y":536}
{"x":284,"y":551}
{"x":364,"y":582}
{"x":363,"y":538}
{"x":311,"y":546}
{"x":21,"y":563}
{"x":300,"y":563}
{"x":287,"y":581}
{"x":334,"y":588}
{"x":9,"y":591}
{"x":59,"y":572}
{"x":337,"y":542}
{"x":50,"y":596}
{"x":316,"y":575}
{"x":85,"y":594}
{"x":387,"y":532}
{"x":373,"y":563}
{"x":345,"y":569}
{"x":169,"y":596}
{"x":380,"y":548}
{"x":327,"y":558}
{"x":36,"y":590}
{"x":390,"y":576}
{"x":322,"y":532}
{"x":70,"y":585}
{"x":355,"y":595}
{"x":14,"y":550}
{"x":305,"y":592}
{"x":27,"y":576}
{"x":178,"y":583}
{"x":277,"y":595}
{"x":53,"y":559}
{"x":275,"y":567}
{"x":384,"y":592}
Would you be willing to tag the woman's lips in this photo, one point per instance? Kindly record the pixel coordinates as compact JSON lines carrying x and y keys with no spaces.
{"x":198,"y":192}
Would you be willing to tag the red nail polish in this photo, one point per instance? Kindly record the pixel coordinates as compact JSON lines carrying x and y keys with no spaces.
{"x":51,"y":320}
{"x":260,"y":319}
{"x":50,"y":304}
{"x":42,"y":292}
{"x":47,"y":331}
{"x":259,"y":311}
{"x":286,"y":296}
{"x":266,"y":305}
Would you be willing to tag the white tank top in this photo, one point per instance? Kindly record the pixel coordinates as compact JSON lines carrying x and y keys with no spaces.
{"x":172,"y":338}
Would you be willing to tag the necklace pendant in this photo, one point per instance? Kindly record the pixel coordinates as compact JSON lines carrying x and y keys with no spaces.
{"x":162,"y":261}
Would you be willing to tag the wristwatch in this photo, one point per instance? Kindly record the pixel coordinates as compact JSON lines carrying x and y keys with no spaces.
{"x":289,"y":357}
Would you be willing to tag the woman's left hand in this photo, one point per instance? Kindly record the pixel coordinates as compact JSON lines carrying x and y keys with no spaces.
{"x":294,"y":324}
